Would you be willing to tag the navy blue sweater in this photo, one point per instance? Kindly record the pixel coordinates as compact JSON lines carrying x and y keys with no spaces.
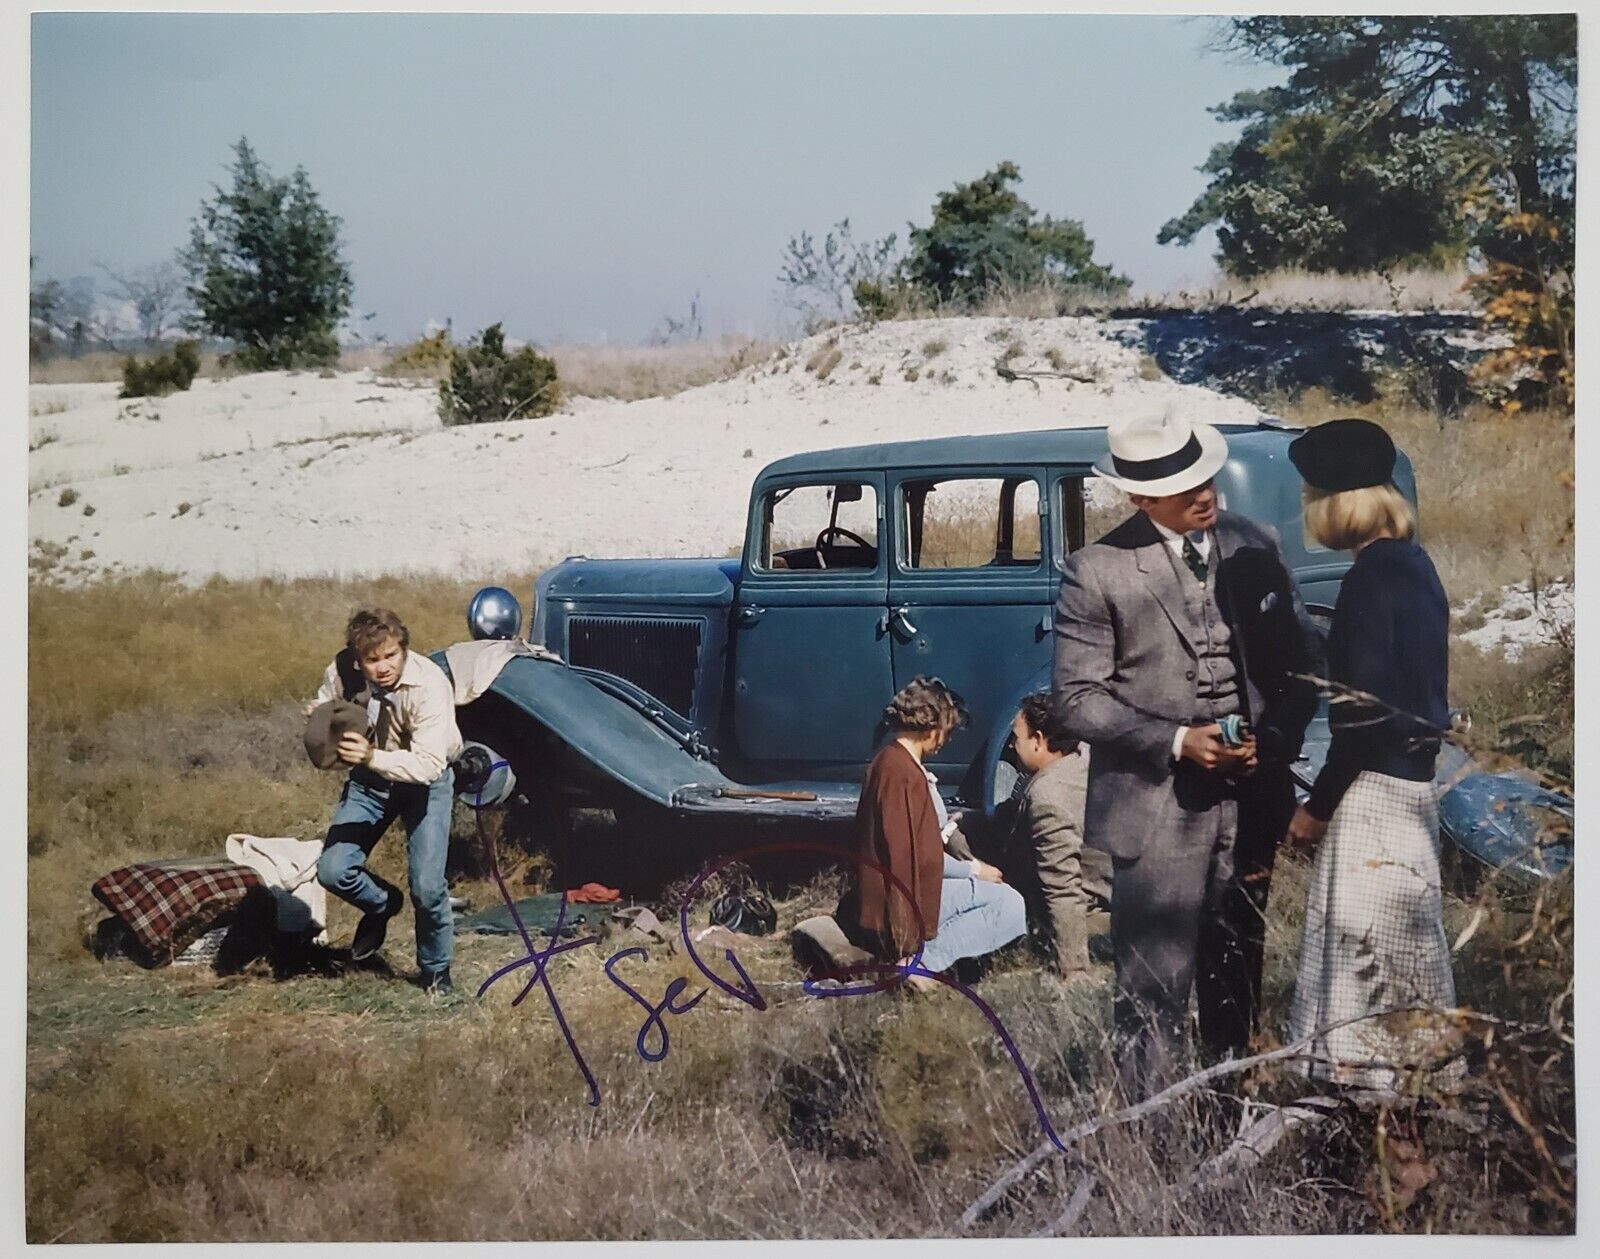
{"x":1390,"y":639}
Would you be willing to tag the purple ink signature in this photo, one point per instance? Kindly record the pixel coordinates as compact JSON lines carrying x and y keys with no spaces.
{"x":877,"y":976}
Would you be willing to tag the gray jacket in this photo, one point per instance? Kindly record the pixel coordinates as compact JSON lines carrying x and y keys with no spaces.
{"x":1124,"y":674}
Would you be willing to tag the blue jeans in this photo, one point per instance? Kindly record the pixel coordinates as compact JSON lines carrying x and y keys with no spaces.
{"x":975,"y":918}
{"x":366,"y":807}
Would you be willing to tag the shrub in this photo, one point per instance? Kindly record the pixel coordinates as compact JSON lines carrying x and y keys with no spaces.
{"x":486,"y":384}
{"x":426,"y":356}
{"x":167,"y":373}
{"x":1528,"y":293}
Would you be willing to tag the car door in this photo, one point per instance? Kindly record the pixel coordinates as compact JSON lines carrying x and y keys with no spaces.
{"x":970,"y":590}
{"x":811,"y":671}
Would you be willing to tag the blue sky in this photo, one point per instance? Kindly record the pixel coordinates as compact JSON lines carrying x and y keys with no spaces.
{"x":581,"y":177}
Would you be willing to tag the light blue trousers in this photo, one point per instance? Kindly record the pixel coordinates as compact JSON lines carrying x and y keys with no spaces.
{"x":975,"y":918}
{"x":366,"y":807}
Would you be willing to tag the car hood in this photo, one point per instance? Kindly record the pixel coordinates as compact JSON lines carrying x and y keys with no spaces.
{"x":699,"y":582}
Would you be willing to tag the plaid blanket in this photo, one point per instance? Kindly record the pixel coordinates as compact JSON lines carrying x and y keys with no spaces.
{"x":168,"y":905}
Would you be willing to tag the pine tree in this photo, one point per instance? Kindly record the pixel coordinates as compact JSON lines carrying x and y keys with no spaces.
{"x":265,"y":268}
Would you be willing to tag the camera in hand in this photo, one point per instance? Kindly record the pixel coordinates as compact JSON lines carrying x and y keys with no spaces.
{"x":1234,"y":730}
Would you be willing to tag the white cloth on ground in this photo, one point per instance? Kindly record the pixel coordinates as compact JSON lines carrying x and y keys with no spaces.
{"x":288,"y":867}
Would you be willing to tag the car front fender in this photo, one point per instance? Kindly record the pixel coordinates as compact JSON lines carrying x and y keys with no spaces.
{"x":651,"y":753}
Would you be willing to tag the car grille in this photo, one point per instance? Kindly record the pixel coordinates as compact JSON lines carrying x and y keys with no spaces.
{"x":657,"y":655}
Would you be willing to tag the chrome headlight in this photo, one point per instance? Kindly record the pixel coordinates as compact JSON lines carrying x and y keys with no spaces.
{"x":494,"y":613}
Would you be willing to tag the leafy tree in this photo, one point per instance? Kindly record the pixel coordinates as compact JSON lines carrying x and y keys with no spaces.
{"x":984,"y":236}
{"x":1526,"y":287}
{"x":486,"y":384}
{"x":265,"y":268}
{"x":1366,"y":157}
{"x":64,"y":312}
{"x":44,"y":297}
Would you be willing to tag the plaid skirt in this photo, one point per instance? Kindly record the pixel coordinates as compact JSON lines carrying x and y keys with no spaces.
{"x":1374,"y":940}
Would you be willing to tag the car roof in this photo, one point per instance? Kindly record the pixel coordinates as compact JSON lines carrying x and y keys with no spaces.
{"x":1037,"y":446}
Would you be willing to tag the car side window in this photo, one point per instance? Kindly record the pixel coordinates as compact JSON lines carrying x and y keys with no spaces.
{"x":1104,"y":508}
{"x":969,"y":522}
{"x":1070,"y":515}
{"x":817,"y":527}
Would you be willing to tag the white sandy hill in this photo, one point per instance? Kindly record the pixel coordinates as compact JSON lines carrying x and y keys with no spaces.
{"x":295,"y":474}
{"x":1524,"y":617}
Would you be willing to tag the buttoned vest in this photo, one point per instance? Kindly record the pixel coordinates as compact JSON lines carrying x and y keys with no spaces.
{"x":1216,"y":680}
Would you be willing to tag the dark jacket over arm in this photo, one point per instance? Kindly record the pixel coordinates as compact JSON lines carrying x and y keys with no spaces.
{"x":1283,"y":647}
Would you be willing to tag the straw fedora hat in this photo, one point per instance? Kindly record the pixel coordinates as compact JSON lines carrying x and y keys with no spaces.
{"x":1159,"y":454}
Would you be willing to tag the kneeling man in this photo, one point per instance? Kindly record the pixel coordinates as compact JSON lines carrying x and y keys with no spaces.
{"x":1061,"y":879}
{"x":402,"y":770}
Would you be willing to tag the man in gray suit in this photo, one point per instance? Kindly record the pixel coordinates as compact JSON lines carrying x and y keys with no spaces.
{"x":1183,"y":616}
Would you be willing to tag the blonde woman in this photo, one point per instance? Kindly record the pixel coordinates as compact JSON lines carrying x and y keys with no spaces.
{"x":1373,"y":938}
{"x":955,"y":908}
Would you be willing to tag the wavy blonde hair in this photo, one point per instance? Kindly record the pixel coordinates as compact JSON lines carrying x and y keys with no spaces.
{"x":1342,"y":520}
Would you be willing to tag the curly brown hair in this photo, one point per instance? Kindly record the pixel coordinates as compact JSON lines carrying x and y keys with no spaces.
{"x":370,"y":626}
{"x":924,"y":704}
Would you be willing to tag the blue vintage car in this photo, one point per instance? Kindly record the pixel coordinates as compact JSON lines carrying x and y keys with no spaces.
{"x":753,"y":687}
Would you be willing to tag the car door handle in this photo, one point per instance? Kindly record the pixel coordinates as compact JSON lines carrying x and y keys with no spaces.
{"x":749,"y":614}
{"x":902,"y":623}
{"x":1046,"y":624}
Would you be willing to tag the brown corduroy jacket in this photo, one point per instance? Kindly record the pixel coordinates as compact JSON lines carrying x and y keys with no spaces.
{"x":897,"y":828}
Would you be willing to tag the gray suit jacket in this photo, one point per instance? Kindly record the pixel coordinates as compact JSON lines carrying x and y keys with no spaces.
{"x":1049,"y":823}
{"x":1124,"y":675}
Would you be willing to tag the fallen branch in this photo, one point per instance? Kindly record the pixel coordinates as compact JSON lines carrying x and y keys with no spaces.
{"x":1189,"y":1084}
{"x":1076,"y":1206}
{"x":1011,"y":373}
{"x":1246,"y":1151}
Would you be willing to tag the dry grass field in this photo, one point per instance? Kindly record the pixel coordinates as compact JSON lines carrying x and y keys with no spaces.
{"x":180,"y":1105}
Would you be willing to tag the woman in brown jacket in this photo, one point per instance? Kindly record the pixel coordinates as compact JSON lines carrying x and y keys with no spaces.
{"x":938,"y":905}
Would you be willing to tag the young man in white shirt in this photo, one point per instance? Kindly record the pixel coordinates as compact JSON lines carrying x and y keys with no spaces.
{"x":401,"y":768}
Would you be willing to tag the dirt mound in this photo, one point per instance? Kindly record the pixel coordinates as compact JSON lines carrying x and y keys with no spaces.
{"x":301,"y":474}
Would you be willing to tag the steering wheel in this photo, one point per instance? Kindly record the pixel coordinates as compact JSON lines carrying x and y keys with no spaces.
{"x":836,"y":531}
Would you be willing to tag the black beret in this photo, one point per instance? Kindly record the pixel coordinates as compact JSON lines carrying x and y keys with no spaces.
{"x":1344,"y":455}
